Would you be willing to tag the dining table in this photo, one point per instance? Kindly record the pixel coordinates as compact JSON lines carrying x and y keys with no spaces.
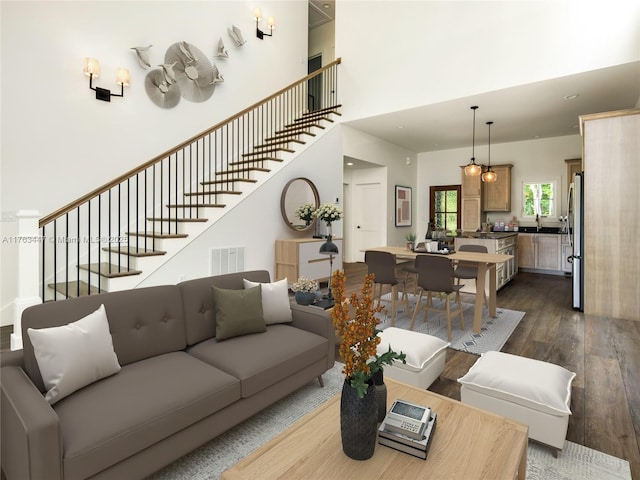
{"x":485,"y":262}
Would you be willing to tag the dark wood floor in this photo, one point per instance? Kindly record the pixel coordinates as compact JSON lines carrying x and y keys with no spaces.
{"x":604,"y":353}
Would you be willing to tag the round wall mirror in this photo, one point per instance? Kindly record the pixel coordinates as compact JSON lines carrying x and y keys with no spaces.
{"x":295,"y":193}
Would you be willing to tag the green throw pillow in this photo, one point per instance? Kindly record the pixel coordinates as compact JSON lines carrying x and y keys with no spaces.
{"x":238,"y":312}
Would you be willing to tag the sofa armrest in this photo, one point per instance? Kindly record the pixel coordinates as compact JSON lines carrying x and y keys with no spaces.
{"x":12,"y":358}
{"x":30,"y":438}
{"x":316,"y":320}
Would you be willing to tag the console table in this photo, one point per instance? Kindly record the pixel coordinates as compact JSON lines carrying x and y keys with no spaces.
{"x":300,"y":257}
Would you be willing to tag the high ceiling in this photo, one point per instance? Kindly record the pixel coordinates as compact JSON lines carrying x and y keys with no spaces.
{"x":538,"y":110}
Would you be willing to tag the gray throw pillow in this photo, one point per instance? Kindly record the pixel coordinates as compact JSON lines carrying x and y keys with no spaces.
{"x":238,"y":312}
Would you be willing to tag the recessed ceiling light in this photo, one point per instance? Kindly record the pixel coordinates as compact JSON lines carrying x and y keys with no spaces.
{"x":572,"y":96}
{"x":349,"y":164}
{"x":326,"y":5}
{"x":400,"y":126}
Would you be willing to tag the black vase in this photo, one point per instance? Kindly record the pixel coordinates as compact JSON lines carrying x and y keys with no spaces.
{"x":381,"y":394}
{"x":358,"y":422}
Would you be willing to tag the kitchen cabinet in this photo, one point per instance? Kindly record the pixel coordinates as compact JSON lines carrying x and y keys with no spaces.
{"x":611,"y":148}
{"x":300,"y":257}
{"x":479,"y":197}
{"x":540,"y":251}
{"x":471,"y":203}
{"x":496,"y":243}
{"x":497,"y":195}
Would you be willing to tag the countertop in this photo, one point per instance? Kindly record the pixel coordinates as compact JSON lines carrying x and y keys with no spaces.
{"x":497,"y":235}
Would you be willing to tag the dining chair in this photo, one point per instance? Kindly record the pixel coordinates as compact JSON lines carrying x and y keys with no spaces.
{"x":383,"y":267}
{"x":435,"y":275}
{"x":469,"y":270}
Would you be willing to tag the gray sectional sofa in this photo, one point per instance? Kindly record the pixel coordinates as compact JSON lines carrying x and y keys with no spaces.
{"x":177,"y":385}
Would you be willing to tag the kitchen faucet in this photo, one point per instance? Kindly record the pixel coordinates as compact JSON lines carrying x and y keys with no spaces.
{"x":538,"y":226}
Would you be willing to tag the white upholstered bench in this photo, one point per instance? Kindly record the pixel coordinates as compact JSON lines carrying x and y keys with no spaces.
{"x":425,"y":356}
{"x":529,"y":391}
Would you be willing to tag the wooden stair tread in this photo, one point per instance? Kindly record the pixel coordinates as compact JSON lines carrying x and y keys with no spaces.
{"x":157,"y":235}
{"x":213,"y":192}
{"x":265,"y":151}
{"x":134,"y":251}
{"x":296,"y":128}
{"x":85,"y":289}
{"x":251,"y":161}
{"x":196,"y":205}
{"x":331,"y":109}
{"x":305,"y":121}
{"x":244,"y":170}
{"x":108,"y":270}
{"x":178,"y":220}
{"x":279,"y":136}
{"x":279,"y":142}
{"x":229,"y":180}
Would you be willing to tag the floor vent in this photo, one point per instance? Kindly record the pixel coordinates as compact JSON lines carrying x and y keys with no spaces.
{"x":226,"y":260}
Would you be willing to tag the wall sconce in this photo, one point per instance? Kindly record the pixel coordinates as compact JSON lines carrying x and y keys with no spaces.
{"x":92,"y":69}
{"x":271,"y":23}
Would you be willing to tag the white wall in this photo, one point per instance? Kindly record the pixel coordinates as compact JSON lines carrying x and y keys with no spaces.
{"x":532,"y":160}
{"x":59,"y":143}
{"x":403,"y":54}
{"x":322,"y":41}
{"x":362,"y":146}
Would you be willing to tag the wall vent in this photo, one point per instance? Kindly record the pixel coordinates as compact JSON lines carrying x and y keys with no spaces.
{"x":226,"y":260}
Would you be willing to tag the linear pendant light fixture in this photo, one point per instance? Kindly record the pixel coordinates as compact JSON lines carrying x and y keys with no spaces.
{"x":473,"y":169}
{"x":489,"y":176}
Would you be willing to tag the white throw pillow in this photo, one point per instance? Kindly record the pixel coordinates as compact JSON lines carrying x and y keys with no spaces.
{"x":75,"y":355}
{"x":275,"y":301}
{"x":419,"y":347}
{"x":539,"y":385}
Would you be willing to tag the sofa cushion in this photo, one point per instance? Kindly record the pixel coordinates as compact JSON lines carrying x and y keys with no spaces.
{"x":262,"y":359}
{"x":238,"y":312}
{"x":197,"y":301}
{"x":146,"y":402}
{"x":75,"y":355}
{"x":534,"y":384}
{"x":419,"y":348}
{"x":276,"y":306}
{"x":144,"y":322}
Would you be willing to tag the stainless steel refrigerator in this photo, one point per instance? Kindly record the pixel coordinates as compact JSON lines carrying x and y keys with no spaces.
{"x":575,"y":232}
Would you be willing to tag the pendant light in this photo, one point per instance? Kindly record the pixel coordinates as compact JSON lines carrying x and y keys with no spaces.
{"x":473,"y":169}
{"x":489,"y":176}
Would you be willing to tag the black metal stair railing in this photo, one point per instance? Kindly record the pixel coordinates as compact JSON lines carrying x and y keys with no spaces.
{"x":97,"y":236}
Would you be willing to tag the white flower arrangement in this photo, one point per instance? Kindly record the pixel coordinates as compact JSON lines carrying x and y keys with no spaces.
{"x":305,"y":285}
{"x":305,"y":212}
{"x":328,"y":212}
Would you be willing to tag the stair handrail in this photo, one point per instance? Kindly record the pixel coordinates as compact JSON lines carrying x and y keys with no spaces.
{"x":158,"y":158}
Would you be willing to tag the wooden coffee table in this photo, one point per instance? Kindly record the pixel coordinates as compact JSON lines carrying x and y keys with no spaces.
{"x":468,"y":444}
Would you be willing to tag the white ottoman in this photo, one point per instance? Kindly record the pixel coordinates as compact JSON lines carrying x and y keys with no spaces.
{"x":529,"y":391}
{"x":425,"y":356}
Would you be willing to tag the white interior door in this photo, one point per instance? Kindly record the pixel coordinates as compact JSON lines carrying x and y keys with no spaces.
{"x":367,"y":218}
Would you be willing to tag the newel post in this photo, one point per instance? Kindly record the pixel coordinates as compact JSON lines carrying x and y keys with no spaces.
{"x":29,"y":242}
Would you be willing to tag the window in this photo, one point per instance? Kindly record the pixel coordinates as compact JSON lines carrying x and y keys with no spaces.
{"x":538,"y":199}
{"x":444,"y":213}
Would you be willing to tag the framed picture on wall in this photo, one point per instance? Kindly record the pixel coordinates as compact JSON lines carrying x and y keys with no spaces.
{"x":403,"y":206}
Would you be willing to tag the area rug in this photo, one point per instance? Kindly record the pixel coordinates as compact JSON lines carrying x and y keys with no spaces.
{"x":208,"y":462}
{"x":494,"y":332}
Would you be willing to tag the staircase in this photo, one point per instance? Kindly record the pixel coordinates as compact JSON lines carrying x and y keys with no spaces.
{"x":117,"y":235}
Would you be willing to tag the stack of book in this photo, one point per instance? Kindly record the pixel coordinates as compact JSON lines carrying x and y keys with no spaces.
{"x":405,"y":443}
